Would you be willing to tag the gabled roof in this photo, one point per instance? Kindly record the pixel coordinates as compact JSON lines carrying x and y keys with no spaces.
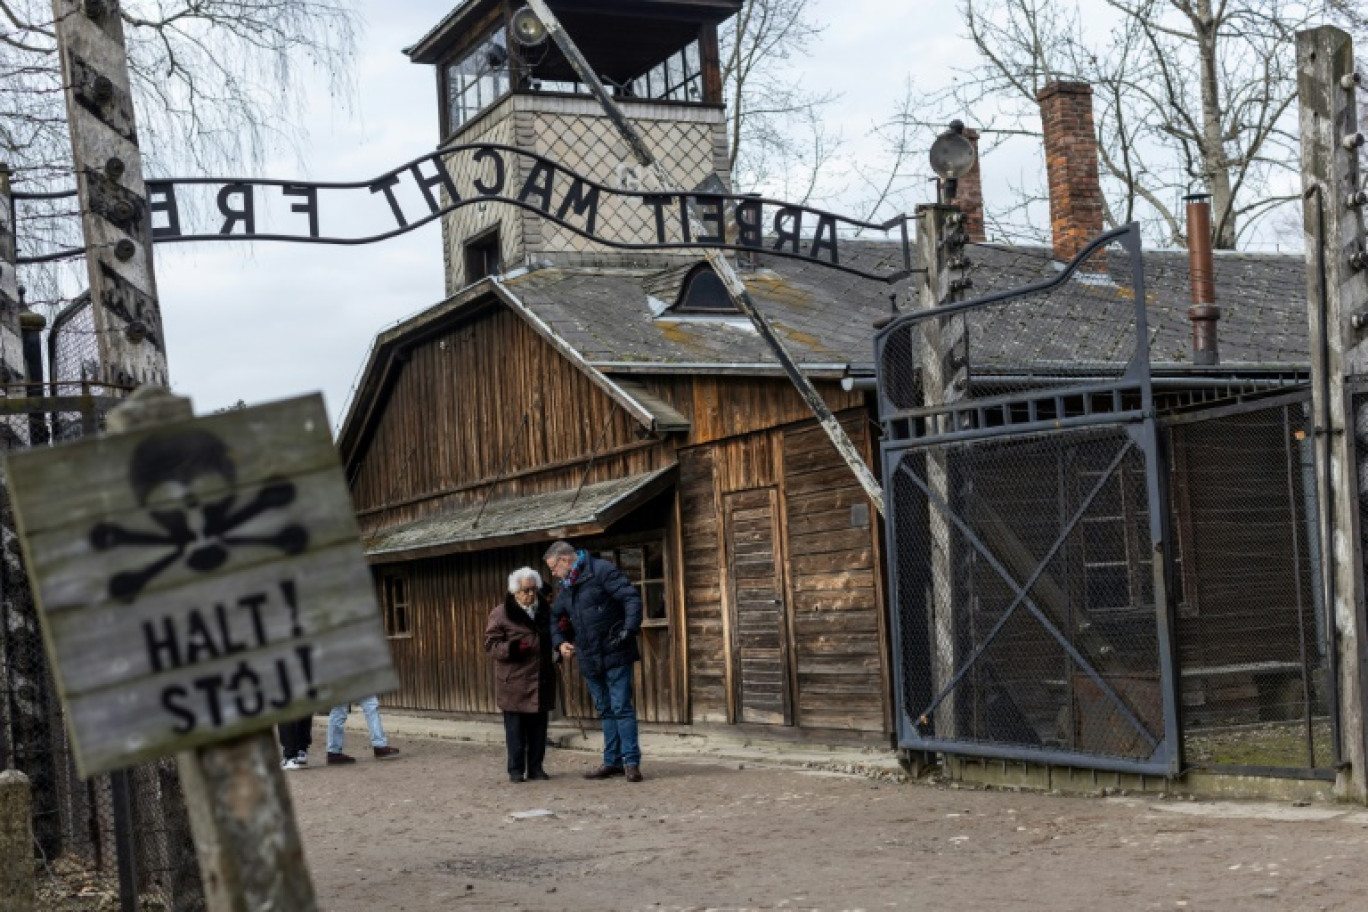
{"x":390,"y":349}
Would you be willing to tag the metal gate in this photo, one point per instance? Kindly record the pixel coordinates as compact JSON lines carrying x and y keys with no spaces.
{"x":1031,"y":571}
{"x":1255,"y":648}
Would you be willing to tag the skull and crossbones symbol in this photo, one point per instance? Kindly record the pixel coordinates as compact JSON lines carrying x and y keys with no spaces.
{"x":176,"y":471}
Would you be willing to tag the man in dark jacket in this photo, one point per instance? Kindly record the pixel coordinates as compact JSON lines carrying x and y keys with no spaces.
{"x":596,"y":618}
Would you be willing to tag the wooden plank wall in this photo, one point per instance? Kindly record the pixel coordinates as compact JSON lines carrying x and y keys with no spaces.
{"x":442,"y":665}
{"x":724,"y":406}
{"x":708,"y":679}
{"x":833,"y":596}
{"x":454,"y":420}
{"x":837,"y":606}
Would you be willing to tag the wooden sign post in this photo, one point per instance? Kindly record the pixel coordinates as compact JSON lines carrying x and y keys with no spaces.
{"x":200,"y":580}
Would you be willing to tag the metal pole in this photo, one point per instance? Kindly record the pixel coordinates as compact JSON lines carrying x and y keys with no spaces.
{"x":735,"y":288}
{"x":124,"y":846}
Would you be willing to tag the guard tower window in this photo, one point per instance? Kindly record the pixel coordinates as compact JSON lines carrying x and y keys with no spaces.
{"x":703,"y":293}
{"x":482,"y":256}
{"x":477,"y":79}
{"x":680,"y":78}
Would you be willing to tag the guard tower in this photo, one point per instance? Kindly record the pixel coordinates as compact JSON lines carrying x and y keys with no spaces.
{"x":660,"y":57}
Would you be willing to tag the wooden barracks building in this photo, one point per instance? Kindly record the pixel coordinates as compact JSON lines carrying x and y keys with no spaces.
{"x":567,"y":390}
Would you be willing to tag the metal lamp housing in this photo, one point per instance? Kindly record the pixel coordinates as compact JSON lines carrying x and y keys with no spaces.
{"x":527,"y":28}
{"x":952,"y":155}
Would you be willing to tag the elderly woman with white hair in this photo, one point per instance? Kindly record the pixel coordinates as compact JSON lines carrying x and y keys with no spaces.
{"x":518,"y":636}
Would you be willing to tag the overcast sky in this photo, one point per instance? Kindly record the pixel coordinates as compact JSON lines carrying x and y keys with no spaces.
{"x":268,"y":320}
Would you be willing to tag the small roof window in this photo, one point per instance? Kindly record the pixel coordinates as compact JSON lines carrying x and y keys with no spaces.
{"x":702,"y":292}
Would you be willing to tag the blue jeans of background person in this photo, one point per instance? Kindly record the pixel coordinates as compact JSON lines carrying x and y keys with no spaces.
{"x":612,"y":693}
{"x":337,"y":720}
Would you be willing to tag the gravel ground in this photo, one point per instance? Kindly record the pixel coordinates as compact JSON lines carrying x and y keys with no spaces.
{"x":433,"y":830}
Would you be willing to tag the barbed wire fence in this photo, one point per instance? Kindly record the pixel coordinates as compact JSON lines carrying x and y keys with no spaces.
{"x":119,"y":840}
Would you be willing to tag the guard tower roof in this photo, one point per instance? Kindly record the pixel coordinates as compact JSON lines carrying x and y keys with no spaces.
{"x":621,"y":39}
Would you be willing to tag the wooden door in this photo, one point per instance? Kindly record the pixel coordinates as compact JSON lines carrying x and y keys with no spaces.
{"x":759,"y":617}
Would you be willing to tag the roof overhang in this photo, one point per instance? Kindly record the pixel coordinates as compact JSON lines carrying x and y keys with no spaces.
{"x":621,"y":38}
{"x":569,"y":513}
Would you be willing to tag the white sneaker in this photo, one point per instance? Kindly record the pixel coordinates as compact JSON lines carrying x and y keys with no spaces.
{"x":295,"y":764}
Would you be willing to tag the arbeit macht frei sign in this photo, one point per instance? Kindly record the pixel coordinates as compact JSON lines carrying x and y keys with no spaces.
{"x":363,"y":212}
{"x":198,"y":580}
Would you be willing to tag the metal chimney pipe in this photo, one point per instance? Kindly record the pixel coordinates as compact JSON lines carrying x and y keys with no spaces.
{"x":1202,"y":268}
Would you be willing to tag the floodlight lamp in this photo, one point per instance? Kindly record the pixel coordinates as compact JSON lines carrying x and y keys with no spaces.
{"x":527,"y":28}
{"x":952,"y":155}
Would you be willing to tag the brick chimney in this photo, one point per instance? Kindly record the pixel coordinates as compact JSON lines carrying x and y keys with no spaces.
{"x":969,"y":195}
{"x":1071,"y":165}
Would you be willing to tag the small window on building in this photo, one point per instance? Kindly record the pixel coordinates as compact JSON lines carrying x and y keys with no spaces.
{"x":477,"y":79}
{"x":482,"y":257}
{"x":704,"y":293}
{"x":394,"y":602}
{"x":644,"y":566}
{"x":1114,"y":533}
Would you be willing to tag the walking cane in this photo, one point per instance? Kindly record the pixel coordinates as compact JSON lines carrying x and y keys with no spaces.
{"x":565,"y":697}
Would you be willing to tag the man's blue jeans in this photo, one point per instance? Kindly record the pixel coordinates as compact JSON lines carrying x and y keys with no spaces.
{"x":337,"y":720}
{"x":612,"y":693}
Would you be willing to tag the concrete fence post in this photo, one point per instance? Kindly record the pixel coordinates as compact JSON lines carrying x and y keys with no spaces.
{"x":16,"y":843}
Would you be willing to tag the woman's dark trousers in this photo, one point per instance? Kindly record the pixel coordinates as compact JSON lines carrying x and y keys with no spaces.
{"x":525,"y":734}
{"x":295,"y":737}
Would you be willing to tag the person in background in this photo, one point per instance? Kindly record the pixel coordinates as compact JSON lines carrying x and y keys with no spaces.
{"x":337,"y":721}
{"x":295,"y":738}
{"x":603,"y":611}
{"x":518,"y":636}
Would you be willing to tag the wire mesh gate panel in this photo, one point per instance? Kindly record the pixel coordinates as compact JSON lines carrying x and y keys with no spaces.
{"x":1254,"y":644}
{"x":1031,"y":567}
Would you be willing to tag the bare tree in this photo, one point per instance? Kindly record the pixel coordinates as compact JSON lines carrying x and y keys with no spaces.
{"x":1189,"y":96}
{"x":218,"y":85}
{"x":775,"y":133}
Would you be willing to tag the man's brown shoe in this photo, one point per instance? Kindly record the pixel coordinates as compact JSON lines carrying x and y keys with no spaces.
{"x":634,"y":774}
{"x":604,"y":772}
{"x":337,"y":757}
{"x":382,"y":753}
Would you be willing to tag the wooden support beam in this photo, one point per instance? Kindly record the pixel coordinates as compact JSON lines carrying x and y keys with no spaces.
{"x":944,"y":380}
{"x":11,"y":344}
{"x":1336,"y":284}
